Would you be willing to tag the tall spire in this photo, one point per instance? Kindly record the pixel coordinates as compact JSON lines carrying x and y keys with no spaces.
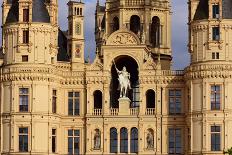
{"x":97,"y":2}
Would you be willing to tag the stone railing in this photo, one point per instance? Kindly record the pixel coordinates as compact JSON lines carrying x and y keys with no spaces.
{"x":150,"y":111}
{"x":134,"y":111}
{"x":172,"y":73}
{"x":134,"y":2}
{"x":114,"y":111}
{"x":62,"y":65}
{"x":97,"y":112}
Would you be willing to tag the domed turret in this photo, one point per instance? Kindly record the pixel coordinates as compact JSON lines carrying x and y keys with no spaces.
{"x":30,"y":31}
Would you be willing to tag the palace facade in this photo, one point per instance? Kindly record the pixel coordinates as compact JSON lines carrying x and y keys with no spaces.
{"x":53,"y":102}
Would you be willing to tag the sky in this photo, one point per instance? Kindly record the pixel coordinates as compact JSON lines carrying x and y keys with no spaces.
{"x":179,"y":29}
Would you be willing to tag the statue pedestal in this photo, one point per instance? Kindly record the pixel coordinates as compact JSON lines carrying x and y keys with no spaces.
{"x":124,"y":106}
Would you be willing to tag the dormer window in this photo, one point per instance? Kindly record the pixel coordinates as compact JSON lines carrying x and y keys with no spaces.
{"x":215,"y":10}
{"x":216,"y":33}
{"x":25,"y":36}
{"x":25,"y":15}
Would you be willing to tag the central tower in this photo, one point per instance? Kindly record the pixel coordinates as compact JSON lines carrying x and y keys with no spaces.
{"x":150,"y":20}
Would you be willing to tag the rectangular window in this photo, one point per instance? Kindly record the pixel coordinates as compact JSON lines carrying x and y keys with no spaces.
{"x":81,"y":11}
{"x":174,"y":102}
{"x":23,"y":139}
{"x":73,"y":103}
{"x":23,"y":99}
{"x":53,"y":140}
{"x":215,"y":138}
{"x":215,"y":56}
{"x":73,"y":142}
{"x":215,"y":97}
{"x":24,"y":58}
{"x":70,"y":28}
{"x":25,"y":36}
{"x":215,"y":10}
{"x":54,"y":101}
{"x":216,"y":33}
{"x":175,"y":145}
{"x":25,"y":15}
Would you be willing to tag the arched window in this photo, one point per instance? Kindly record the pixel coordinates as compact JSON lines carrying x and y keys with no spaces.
{"x":135,"y":24}
{"x":77,"y":11}
{"x":134,"y":140}
{"x":97,"y":99}
{"x":150,"y":98}
{"x":113,"y":140}
{"x":155,"y":32}
{"x":115,"y":24}
{"x":123,"y":140}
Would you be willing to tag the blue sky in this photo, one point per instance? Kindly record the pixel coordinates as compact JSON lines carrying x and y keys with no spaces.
{"x":179,"y":29}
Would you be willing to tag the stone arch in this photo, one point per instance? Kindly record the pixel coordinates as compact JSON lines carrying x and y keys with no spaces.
{"x":135,"y":24}
{"x":113,"y":140}
{"x":155,"y":35}
{"x":150,"y":98}
{"x":97,"y":94}
{"x":132,"y":67}
{"x":115,"y":24}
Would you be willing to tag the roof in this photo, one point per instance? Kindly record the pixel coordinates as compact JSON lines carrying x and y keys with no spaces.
{"x":227,"y":9}
{"x":62,"y":43}
{"x":39,"y":12}
{"x":13,"y":14}
{"x":101,"y":8}
{"x":202,"y":11}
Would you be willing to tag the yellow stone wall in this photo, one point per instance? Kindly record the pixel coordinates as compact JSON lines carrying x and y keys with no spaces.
{"x":42,"y":76}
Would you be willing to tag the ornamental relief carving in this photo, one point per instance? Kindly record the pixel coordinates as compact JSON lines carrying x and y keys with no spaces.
{"x":122,"y":38}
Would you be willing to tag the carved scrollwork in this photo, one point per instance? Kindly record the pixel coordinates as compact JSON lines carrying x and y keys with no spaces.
{"x":123,"y":37}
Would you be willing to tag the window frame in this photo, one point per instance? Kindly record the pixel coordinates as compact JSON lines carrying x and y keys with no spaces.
{"x":23,"y":135}
{"x":216,"y":33}
{"x":74,"y":137}
{"x":113,"y":140}
{"x":74,"y":104}
{"x":175,"y":98}
{"x":54,"y":101}
{"x":134,"y":140}
{"x":26,"y":15}
{"x":24,"y":95}
{"x":124,"y":141}
{"x":213,"y":91}
{"x":215,"y":11}
{"x":26,"y":36}
{"x":175,"y":141}
{"x":215,"y":133}
{"x":54,"y":140}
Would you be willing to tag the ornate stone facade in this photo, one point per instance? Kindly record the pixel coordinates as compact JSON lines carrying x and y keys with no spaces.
{"x":53,"y":102}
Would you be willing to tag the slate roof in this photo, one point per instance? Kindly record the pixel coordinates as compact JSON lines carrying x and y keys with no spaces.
{"x":227,"y":9}
{"x":13,"y":14}
{"x":202,"y":11}
{"x":39,"y":12}
{"x":62,"y":44}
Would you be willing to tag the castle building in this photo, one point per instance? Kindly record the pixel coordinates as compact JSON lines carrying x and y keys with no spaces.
{"x":53,"y":102}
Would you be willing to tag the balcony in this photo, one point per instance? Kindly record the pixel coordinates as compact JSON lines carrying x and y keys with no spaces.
{"x":134,"y":111}
{"x":114,"y":111}
{"x":97,"y":112}
{"x":134,"y":2}
{"x":150,"y":111}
